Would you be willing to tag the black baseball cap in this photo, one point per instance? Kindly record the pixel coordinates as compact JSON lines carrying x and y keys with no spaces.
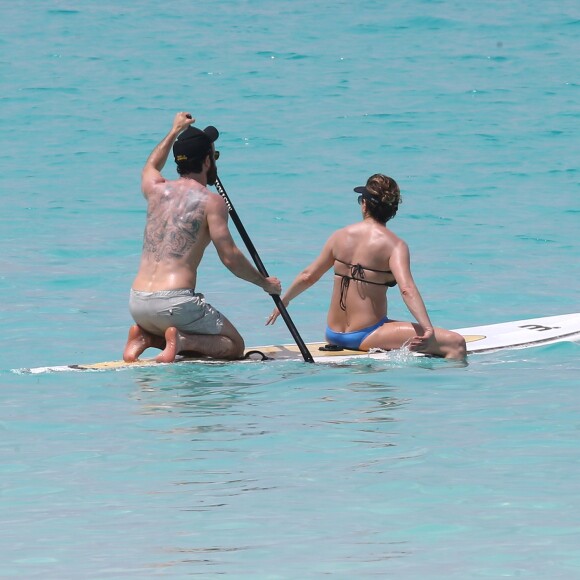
{"x":194,"y":143}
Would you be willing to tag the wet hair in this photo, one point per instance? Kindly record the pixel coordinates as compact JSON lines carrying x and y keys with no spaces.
{"x":384,"y":199}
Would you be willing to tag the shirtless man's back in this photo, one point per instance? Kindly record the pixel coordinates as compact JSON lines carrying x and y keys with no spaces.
{"x":183,"y":217}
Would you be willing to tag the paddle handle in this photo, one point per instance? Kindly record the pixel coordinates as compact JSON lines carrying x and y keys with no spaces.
{"x":261,"y":268}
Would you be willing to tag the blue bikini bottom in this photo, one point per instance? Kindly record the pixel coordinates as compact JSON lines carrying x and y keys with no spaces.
{"x":352,"y":340}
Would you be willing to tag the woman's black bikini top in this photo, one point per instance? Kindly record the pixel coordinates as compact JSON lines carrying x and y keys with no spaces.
{"x":357,"y":273}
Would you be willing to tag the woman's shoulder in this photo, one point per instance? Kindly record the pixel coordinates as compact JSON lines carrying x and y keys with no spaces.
{"x":351,"y":229}
{"x":349,"y":235}
{"x":366,"y":230}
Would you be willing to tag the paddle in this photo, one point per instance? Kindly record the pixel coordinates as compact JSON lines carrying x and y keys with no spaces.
{"x":260,"y":266}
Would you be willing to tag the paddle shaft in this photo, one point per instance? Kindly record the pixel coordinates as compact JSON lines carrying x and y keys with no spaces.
{"x":261,"y":268}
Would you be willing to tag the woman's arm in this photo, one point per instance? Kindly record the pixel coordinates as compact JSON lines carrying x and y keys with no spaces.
{"x":308,"y":277}
{"x":400,"y":264}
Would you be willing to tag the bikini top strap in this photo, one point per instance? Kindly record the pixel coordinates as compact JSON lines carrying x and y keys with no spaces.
{"x":363,"y":267}
{"x":357,"y":273}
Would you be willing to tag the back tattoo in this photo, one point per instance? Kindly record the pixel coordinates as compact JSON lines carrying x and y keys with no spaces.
{"x":173,"y":225}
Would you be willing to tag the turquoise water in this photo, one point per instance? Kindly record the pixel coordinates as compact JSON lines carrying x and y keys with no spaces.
{"x":393,"y":469}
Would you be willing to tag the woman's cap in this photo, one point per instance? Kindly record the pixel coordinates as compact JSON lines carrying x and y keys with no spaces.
{"x":381,"y":189}
{"x":367,"y":195}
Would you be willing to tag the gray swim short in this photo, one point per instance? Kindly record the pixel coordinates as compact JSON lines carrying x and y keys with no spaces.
{"x":185,"y":309}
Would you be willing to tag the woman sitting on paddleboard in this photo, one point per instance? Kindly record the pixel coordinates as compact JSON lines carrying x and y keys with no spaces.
{"x":368,"y":258}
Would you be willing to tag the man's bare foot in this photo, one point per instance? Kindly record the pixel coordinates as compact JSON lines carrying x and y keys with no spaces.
{"x":172,"y":345}
{"x":138,"y":341}
{"x":212,"y":345}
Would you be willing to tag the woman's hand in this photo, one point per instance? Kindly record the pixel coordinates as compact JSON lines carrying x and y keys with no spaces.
{"x":272,"y":318}
{"x":420,"y":343}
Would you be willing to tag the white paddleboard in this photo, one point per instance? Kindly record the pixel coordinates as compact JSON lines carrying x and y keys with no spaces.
{"x":479,"y":339}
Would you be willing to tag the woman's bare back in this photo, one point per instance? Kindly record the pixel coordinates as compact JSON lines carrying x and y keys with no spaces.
{"x":362,"y":275}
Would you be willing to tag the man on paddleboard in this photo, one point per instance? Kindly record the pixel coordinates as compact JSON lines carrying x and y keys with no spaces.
{"x":183,"y":217}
